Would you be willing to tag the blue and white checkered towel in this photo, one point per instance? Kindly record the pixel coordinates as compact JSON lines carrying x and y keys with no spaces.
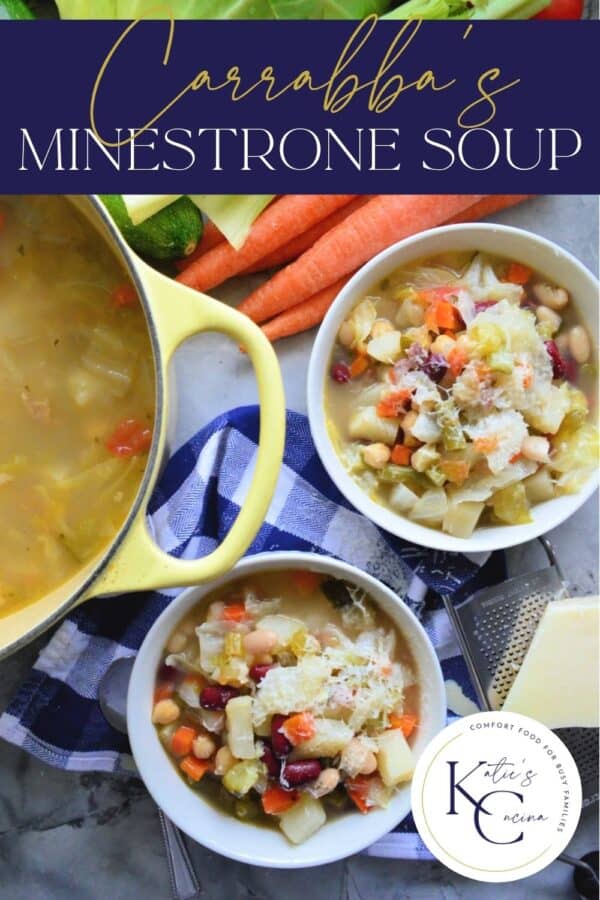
{"x":55,"y":714}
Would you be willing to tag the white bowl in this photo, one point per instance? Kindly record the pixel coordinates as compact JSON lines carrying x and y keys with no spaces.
{"x":243,"y":841}
{"x":557,"y":264}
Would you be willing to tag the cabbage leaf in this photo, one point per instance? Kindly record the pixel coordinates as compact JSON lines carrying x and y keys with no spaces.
{"x":220,"y":9}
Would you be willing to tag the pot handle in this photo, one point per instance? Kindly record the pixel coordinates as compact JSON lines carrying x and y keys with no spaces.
{"x":178,"y":313}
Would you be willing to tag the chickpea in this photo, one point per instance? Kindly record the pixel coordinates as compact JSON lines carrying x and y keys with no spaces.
{"x":346,"y":334}
{"x":443,"y":344}
{"x":356,"y":759}
{"x":579,"y":344}
{"x":376,"y":455}
{"x":224,"y":760}
{"x":381,"y":326}
{"x":165,"y":712}
{"x":203,"y":747}
{"x":327,"y":782}
{"x":259,"y":641}
{"x":547,"y":316}
{"x":536,"y":448}
{"x":177,"y":642}
{"x":554,"y":297}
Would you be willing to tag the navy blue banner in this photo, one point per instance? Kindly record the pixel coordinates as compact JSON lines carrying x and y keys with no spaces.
{"x":274,"y":107}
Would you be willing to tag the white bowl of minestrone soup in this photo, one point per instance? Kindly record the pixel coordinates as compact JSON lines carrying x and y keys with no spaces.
{"x":276,"y":714}
{"x":452,"y":388}
{"x":86,"y":333}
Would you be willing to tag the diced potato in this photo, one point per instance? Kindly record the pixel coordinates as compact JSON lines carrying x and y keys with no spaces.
{"x":303,"y":819}
{"x":386,"y":348}
{"x":547,"y":415}
{"x":540,"y":486}
{"x":461,"y":518}
{"x":401,"y":498}
{"x":366,"y":425}
{"x":240,"y":734}
{"x":394,"y":757}
{"x":285,"y":627}
{"x":330,"y":737}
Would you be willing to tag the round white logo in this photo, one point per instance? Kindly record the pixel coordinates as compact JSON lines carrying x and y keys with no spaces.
{"x":496,"y":796}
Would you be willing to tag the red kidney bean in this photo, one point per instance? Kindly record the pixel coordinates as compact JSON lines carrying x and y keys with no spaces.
{"x":340,"y":372}
{"x":217,"y":696}
{"x":299,"y":772}
{"x":279,"y":742}
{"x":270,"y":760}
{"x":258,"y":672}
{"x":168,"y":673}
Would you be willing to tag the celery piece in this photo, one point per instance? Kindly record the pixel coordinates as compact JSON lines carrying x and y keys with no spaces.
{"x":510,"y":505}
{"x":435,"y":474}
{"x":448,"y":420}
{"x":233,"y":644}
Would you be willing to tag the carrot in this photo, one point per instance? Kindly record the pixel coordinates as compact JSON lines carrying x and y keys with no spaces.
{"x":458,"y":359}
{"x":234,"y":612}
{"x":517,"y":273}
{"x":287,"y":217}
{"x":359,"y":364}
{"x":211,"y":236}
{"x":275,"y":800}
{"x":124,"y":295}
{"x":163,"y":692}
{"x":358,"y":791}
{"x":129,"y":438}
{"x":306,"y":581}
{"x":393,"y":405}
{"x":304,"y":241}
{"x":182,"y":740}
{"x":304,"y":315}
{"x":406,"y":723}
{"x":487,"y":207}
{"x":401,"y":455}
{"x":455,"y":470}
{"x":299,"y":727}
{"x":448,"y":317}
{"x":194,"y":768}
{"x":486,"y":444}
{"x":382,"y":221}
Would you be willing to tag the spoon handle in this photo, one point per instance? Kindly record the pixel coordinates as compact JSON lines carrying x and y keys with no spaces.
{"x":184,"y":884}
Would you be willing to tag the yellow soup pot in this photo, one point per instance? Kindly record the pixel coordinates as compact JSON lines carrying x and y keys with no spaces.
{"x":133,"y":561}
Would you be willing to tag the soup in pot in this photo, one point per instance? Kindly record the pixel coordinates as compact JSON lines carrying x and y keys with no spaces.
{"x":76,"y":393}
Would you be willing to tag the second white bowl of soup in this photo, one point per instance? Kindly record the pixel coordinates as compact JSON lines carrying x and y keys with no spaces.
{"x":277,"y":714}
{"x":452,"y":388}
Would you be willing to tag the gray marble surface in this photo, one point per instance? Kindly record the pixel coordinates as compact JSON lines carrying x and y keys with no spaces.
{"x":90,"y":837}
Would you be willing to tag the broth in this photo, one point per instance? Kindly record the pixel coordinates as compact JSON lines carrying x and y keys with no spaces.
{"x":76,"y":392}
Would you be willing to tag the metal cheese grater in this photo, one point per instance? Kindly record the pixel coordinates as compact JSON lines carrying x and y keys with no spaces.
{"x":495,"y":627}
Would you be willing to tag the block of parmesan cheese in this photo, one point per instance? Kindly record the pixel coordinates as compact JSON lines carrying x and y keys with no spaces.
{"x":558,"y":681}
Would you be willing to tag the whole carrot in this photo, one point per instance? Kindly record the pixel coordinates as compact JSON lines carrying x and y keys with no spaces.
{"x":302,"y":242}
{"x":287,"y":217}
{"x":486,"y":207}
{"x":304,"y":315}
{"x":381,"y":222}
{"x":211,"y":236}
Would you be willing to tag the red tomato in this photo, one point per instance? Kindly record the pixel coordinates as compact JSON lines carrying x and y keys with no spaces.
{"x":562,"y":9}
{"x":129,"y":438}
{"x":124,"y":295}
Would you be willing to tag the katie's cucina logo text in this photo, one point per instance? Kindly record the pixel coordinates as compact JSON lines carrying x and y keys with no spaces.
{"x":496,"y":796}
